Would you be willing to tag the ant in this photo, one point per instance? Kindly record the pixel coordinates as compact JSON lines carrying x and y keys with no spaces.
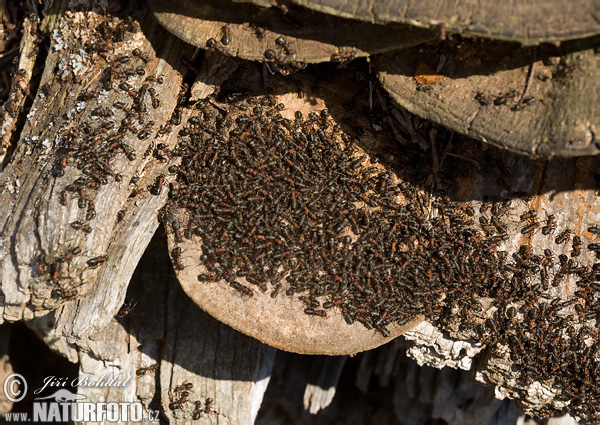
{"x":342,"y":57}
{"x":126,"y":308}
{"x":211,"y":43}
{"x":78,"y":225}
{"x":97,"y":261}
{"x":197,"y":410}
{"x":530,"y":227}
{"x":281,"y":41}
{"x":225,"y":39}
{"x":208,"y":404}
{"x":63,"y":293}
{"x":244,"y":290}
{"x":564,"y":235}
{"x":260,"y":32}
{"x":142,"y":371}
{"x":529,"y":214}
{"x":184,"y":386}
{"x":576,"y":252}
{"x":72,"y":252}
{"x":174,"y":405}
{"x":155,"y":101}
{"x":550,"y":226}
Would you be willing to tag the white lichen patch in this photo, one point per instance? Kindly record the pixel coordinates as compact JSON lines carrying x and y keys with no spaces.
{"x":59,"y":41}
{"x":5,"y":125}
{"x":72,"y":113}
{"x":32,"y":114}
{"x":73,"y":66}
{"x":432,"y":348}
{"x":102,"y":96}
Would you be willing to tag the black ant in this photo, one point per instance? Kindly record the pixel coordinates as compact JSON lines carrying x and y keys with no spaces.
{"x":142,"y":371}
{"x":550,"y":226}
{"x":225,"y":39}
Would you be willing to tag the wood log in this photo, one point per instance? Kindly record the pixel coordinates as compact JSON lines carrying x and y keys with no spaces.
{"x":528,"y":22}
{"x":277,"y":321}
{"x":40,"y":272}
{"x":6,"y":368}
{"x":286,"y":39}
{"x":536,"y":100}
{"x":20,"y":90}
{"x":59,"y":221}
{"x":156,"y":344}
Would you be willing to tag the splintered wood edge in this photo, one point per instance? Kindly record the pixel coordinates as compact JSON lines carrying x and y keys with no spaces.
{"x":133,"y":233}
{"x":29,"y":49}
{"x":279,"y":322}
{"x":326,"y":35}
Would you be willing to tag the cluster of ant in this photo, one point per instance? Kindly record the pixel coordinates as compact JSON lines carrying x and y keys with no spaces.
{"x":282,"y":206}
{"x":275,"y":202}
{"x":279,"y":60}
{"x":503,"y":98}
{"x":53,"y":269}
{"x":549,"y":339}
{"x":92,"y":146}
{"x":180,"y":397}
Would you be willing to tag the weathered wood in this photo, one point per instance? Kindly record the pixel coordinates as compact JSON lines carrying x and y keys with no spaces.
{"x":526,"y":21}
{"x":451,"y":395}
{"x":540,"y":100}
{"x":323,"y":380}
{"x":133,"y":233}
{"x":161,"y":340}
{"x":421,"y":393}
{"x":447,"y":352}
{"x":222,"y":364}
{"x":39,"y":273}
{"x":6,"y":367}
{"x":576,"y":206}
{"x":13,"y":109}
{"x":252,"y":31}
{"x":467,"y":172}
{"x":393,"y":389}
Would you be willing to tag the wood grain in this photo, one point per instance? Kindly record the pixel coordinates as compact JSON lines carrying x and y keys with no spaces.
{"x":525,"y":21}
{"x":312,"y":36}
{"x":486,"y":93}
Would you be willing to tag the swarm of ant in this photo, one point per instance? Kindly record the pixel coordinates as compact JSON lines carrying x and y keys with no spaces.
{"x":106,"y":133}
{"x":291,"y":206}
